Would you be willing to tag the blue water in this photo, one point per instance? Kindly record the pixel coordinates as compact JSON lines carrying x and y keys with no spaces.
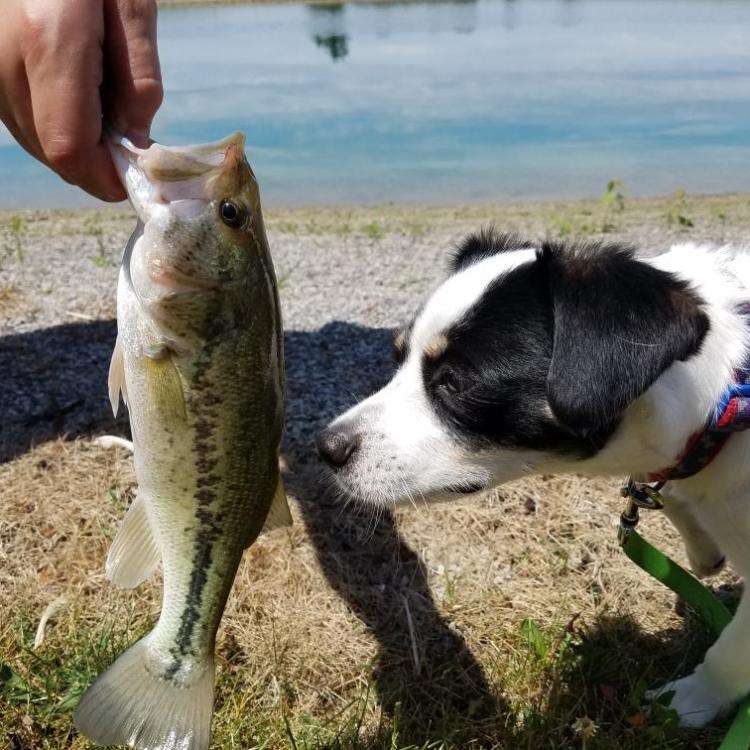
{"x":454,"y":101}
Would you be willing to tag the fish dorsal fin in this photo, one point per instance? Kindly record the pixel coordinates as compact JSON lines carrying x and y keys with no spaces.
{"x":134,"y":555}
{"x":117,"y":378}
{"x":278,"y":514}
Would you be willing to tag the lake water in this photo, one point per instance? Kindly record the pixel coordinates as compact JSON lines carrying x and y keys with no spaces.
{"x":476,"y":100}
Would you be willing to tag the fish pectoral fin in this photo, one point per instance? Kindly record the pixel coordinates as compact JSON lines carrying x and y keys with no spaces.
{"x":134,"y":703}
{"x":279,"y":514}
{"x":134,"y":555}
{"x":117,"y":378}
{"x":166,"y":387}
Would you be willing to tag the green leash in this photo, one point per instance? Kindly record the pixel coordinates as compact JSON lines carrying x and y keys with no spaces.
{"x":667,"y":571}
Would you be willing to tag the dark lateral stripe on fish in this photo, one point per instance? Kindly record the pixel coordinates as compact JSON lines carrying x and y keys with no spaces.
{"x":209,"y":524}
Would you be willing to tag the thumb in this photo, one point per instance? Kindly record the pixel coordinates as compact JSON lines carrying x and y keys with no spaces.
{"x":132,"y":88}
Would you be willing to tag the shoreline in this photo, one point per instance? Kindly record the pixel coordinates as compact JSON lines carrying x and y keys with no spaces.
{"x":682,"y":212}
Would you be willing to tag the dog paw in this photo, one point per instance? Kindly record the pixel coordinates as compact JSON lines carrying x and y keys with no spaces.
{"x":696,"y":698}
{"x":703,"y":568}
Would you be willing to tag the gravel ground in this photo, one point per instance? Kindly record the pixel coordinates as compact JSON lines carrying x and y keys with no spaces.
{"x":347,"y":277}
{"x":427,"y":613}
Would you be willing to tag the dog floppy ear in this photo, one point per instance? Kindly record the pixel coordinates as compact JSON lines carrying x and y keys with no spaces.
{"x":618,"y":324}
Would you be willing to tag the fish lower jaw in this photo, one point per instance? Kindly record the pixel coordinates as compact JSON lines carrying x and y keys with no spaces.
{"x":173,"y":280}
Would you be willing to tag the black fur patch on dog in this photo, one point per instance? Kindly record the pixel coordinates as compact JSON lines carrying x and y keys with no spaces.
{"x":490,"y":383}
{"x":554,"y":351}
{"x":484,"y":244}
{"x":619,"y":323}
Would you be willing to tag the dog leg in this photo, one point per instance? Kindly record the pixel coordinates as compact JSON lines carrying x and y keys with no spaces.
{"x":722,"y":680}
{"x":706,"y":559}
{"x":724,"y":676}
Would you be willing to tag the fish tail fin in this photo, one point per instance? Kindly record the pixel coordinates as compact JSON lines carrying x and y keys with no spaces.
{"x":130,"y":704}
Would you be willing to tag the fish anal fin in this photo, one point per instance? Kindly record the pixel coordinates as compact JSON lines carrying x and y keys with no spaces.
{"x":134,"y":555}
{"x":279,"y":514}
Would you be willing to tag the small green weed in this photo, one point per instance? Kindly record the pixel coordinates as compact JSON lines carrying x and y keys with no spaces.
{"x":677,"y":211}
{"x":342,"y":230}
{"x":373,"y":229}
{"x":613,"y":202}
{"x":566,"y":227}
{"x":720,"y":215}
{"x":14,"y":234}
{"x":94,"y":229}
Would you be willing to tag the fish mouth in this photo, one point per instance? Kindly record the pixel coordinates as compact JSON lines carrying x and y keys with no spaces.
{"x":176,"y":176}
{"x":177,"y":281}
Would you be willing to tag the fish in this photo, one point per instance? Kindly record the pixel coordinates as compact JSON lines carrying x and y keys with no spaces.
{"x":199,"y":362}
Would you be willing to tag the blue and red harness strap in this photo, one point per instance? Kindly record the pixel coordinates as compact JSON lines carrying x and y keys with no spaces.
{"x":732,"y":414}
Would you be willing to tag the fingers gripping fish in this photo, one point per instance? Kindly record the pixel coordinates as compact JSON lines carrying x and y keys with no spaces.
{"x":199,"y":362}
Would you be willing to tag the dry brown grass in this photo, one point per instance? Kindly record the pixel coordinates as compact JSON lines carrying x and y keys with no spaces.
{"x":504,"y":623}
{"x":11,"y":298}
{"x":317,"y":641}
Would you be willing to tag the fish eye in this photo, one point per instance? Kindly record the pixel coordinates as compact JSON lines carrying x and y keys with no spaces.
{"x":232,"y":214}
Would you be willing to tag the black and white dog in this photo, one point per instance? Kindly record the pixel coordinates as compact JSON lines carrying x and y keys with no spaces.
{"x":542,"y":358}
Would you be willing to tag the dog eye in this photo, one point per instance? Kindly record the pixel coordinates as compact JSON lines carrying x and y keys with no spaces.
{"x":447,"y":381}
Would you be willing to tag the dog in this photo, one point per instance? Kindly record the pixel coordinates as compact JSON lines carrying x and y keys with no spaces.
{"x":551,"y":357}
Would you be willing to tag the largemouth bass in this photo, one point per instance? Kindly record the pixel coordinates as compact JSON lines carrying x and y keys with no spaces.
{"x":199,"y":363}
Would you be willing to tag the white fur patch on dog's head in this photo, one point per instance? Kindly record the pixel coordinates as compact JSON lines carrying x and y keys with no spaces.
{"x":524,"y":359}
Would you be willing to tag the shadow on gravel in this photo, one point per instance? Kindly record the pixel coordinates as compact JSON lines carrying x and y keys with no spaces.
{"x":54,"y":382}
{"x":426,"y":679}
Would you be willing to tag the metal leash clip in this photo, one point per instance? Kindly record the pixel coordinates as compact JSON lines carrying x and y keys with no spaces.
{"x":639,"y":495}
{"x":646,"y":496}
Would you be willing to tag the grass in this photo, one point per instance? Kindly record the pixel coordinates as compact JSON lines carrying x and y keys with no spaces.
{"x":556,"y":218}
{"x":678,"y":211}
{"x":94,"y":229}
{"x":10,"y":297}
{"x":13,"y":232}
{"x":373,"y":229}
{"x":516,"y":626}
{"x":510,"y":623}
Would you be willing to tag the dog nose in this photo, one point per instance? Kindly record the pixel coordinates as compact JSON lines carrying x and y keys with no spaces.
{"x":336,"y":447}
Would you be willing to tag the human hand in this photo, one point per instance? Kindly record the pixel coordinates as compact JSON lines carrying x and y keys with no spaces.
{"x":67,"y":66}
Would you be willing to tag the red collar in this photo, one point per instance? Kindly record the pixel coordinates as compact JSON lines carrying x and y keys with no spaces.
{"x":732,"y":414}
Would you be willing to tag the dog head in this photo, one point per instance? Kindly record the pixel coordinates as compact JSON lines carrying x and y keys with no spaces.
{"x":525,"y":359}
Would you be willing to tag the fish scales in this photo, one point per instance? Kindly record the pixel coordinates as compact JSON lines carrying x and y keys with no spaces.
{"x":199,"y":361}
